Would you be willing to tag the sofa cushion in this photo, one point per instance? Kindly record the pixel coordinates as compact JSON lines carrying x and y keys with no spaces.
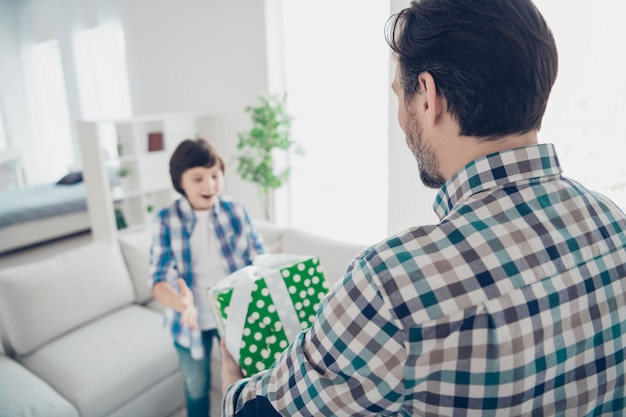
{"x":23,"y":393}
{"x":136,"y":250}
{"x":334,"y":255}
{"x":156,"y":305}
{"x":164,"y":398}
{"x":109,"y":362}
{"x":42,"y":300}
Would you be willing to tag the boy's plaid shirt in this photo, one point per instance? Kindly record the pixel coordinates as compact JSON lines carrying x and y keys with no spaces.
{"x":170,"y":254}
{"x":514,"y":304}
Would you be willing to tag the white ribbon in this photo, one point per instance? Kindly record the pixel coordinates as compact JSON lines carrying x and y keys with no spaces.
{"x":282,"y":301}
{"x":242,"y":282}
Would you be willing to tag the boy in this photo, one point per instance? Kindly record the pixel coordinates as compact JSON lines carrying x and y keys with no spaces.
{"x":197,"y":240}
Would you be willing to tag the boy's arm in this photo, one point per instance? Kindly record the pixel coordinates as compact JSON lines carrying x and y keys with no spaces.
{"x":349,"y":363}
{"x":164,"y":276}
{"x":161,"y":262}
{"x":180,"y":301}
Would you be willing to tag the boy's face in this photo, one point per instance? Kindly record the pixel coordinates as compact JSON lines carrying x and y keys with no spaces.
{"x":202,"y":185}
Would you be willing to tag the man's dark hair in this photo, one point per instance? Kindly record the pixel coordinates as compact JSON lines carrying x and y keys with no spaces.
{"x":192,"y":153}
{"x":494,"y":61}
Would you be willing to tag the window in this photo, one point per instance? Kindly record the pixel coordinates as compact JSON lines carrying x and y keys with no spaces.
{"x":337,"y":83}
{"x":101,"y":71}
{"x":4,"y":141}
{"x":53,"y":140}
{"x":584,"y":118}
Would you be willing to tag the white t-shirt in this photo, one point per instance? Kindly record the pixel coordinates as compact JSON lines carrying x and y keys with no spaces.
{"x":207,"y":265}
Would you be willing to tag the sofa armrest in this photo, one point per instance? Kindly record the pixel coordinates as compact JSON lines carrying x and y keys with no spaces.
{"x":335,"y":255}
{"x":22,"y":393}
{"x":271,"y":233}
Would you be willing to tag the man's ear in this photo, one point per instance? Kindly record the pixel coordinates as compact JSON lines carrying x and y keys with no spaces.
{"x":431,"y":104}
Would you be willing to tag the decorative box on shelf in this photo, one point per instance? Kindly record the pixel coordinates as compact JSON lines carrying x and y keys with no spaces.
{"x":155,"y":141}
{"x":276,"y":298}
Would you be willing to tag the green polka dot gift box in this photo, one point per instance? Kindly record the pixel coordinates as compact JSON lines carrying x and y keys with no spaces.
{"x":260,"y":309}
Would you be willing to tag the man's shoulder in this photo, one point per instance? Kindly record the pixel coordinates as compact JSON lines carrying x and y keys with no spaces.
{"x":402,"y":267}
{"x":401,"y":254}
{"x":415,"y":238}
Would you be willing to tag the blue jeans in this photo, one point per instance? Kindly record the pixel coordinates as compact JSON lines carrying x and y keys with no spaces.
{"x":197,"y":375}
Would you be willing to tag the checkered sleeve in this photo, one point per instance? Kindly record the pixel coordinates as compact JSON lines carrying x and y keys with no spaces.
{"x":349,"y":363}
{"x":161,"y":262}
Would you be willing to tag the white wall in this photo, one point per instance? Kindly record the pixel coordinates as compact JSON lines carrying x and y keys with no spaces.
{"x":191,"y":56}
{"x":585,"y":114}
{"x":12,"y":85}
{"x":199,"y":55}
{"x":196,"y":55}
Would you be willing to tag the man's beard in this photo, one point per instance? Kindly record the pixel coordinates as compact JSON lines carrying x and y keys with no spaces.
{"x":427,"y":162}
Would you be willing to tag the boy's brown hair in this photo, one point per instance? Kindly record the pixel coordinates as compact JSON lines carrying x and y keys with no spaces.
{"x":191,"y":153}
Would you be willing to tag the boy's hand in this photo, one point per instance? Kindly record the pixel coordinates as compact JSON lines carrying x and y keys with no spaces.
{"x":231,"y":372}
{"x":189,"y":314}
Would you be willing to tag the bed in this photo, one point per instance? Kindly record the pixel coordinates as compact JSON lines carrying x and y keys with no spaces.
{"x":40,"y":213}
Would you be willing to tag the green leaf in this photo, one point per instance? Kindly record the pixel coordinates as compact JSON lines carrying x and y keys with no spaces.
{"x":270,"y":131}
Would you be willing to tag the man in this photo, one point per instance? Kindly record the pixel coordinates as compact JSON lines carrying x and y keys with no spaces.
{"x":514,"y":303}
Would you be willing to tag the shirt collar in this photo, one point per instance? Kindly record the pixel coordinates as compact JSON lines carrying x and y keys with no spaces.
{"x":189,"y":217}
{"x":496,"y":170}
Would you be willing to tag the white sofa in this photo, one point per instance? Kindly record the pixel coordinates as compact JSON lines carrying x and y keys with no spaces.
{"x":82,"y":335}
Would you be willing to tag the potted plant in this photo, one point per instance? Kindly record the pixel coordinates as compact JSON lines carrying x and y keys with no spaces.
{"x":268,"y":138}
{"x":123,"y":172}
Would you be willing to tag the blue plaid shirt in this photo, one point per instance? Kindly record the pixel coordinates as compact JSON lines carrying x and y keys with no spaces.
{"x":170,"y":254}
{"x":514,"y":304}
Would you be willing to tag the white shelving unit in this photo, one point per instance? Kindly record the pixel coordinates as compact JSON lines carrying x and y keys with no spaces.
{"x":110,"y":147}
